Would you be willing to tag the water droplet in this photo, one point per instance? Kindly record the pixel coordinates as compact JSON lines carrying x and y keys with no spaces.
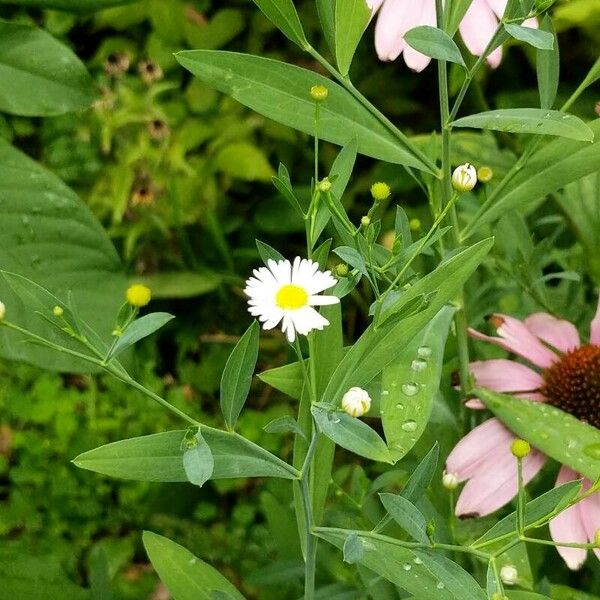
{"x":440,"y":585}
{"x":400,"y":406}
{"x":409,"y":426}
{"x":424,"y":352}
{"x":593,"y":451}
{"x":410,"y":389}
{"x":406,"y":567}
{"x":193,"y":560}
{"x":548,"y":115}
{"x":385,"y":392}
{"x":418,"y":364}
{"x":418,"y":561}
{"x":571,"y":443}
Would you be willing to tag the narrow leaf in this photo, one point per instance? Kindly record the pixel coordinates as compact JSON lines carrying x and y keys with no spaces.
{"x":282,"y":13}
{"x":285,"y":424}
{"x":237,"y":376}
{"x":435,"y":43}
{"x":548,"y":67}
{"x":421,"y":477}
{"x":140,"y":329}
{"x":351,"y":20}
{"x":538,"y":38}
{"x":407,"y":515}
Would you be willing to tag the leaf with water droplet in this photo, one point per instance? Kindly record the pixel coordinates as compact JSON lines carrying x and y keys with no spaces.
{"x":549,"y":429}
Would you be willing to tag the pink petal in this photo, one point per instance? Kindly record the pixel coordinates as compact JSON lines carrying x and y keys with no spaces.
{"x":595,"y":328}
{"x":413,"y":59}
{"x":589,"y":510}
{"x":478,"y":26}
{"x":560,"y":334}
{"x":396,"y":17}
{"x":568,"y":527}
{"x":498,"y":6}
{"x":495,"y":58}
{"x":505,"y":376}
{"x":533,"y":23}
{"x":497,"y":484}
{"x":478,"y":448}
{"x":515,"y":337}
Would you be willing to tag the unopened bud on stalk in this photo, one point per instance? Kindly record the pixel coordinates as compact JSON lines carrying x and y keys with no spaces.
{"x":520,"y":449}
{"x":380,"y":191}
{"x":509,"y":574}
{"x":319,"y":93}
{"x":365,"y":221}
{"x":342,"y":270}
{"x":138,"y":295}
{"x":485,"y":174}
{"x":324,"y":185}
{"x":58,"y":311}
{"x":2,"y":311}
{"x":356,"y":402}
{"x":414,"y":224}
{"x":450,"y":481}
{"x":464,"y":178}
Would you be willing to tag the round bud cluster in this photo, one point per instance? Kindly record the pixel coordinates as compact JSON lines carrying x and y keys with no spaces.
{"x":324,"y":185}
{"x":342,"y":270}
{"x":58,"y":311}
{"x":509,"y":574}
{"x":464,"y":178}
{"x":380,"y":191}
{"x":485,"y":174}
{"x":450,"y":481}
{"x":138,"y":295}
{"x":319,"y":93}
{"x":415,"y":224}
{"x":356,"y":402}
{"x":520,"y":449}
{"x":365,"y":221}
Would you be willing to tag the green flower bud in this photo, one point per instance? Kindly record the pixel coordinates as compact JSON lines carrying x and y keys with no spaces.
{"x":414,"y":224}
{"x":319,"y":93}
{"x":520,"y":449}
{"x":485,"y":174}
{"x":380,"y":191}
{"x":342,"y":270}
{"x":58,"y":311}
{"x":324,"y":185}
{"x":365,"y":221}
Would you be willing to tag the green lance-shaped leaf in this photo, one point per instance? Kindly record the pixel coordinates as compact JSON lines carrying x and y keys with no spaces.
{"x":549,"y":429}
{"x":285,"y":424}
{"x":237,"y":376}
{"x":410,"y":384}
{"x":78,"y":6}
{"x":326,"y":11}
{"x":423,"y":573}
{"x":351,"y":20}
{"x":350,"y":433}
{"x":557,"y":164}
{"x":407,"y":515}
{"x":39,"y":76}
{"x":538,"y":38}
{"x":140,"y":329}
{"x":50,"y":236}
{"x":186,"y":577}
{"x":530,"y":120}
{"x":548,"y":67}
{"x":282,"y":13}
{"x":159,"y":457}
{"x":421,"y":477}
{"x":198,"y":461}
{"x":282,"y":93}
{"x":434,"y":42}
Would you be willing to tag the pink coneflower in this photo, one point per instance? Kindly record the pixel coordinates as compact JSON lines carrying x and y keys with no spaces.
{"x":396,"y":17}
{"x":566,"y":375}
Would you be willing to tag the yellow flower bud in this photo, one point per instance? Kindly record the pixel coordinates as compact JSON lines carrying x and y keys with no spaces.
{"x":58,"y":311}
{"x":324,"y":185}
{"x":464,"y":178}
{"x":485,"y":174}
{"x":380,"y":191}
{"x":2,"y":311}
{"x":365,"y":221}
{"x":520,"y":448}
{"x":138,"y":295}
{"x":319,"y":93}
{"x":414,"y":224}
{"x":356,"y":402}
{"x":342,"y":270}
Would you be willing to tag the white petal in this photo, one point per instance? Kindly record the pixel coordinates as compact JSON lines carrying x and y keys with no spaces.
{"x":323,"y":300}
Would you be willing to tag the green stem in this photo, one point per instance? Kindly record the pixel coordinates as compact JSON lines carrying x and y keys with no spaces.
{"x":520,"y":499}
{"x":558,"y":544}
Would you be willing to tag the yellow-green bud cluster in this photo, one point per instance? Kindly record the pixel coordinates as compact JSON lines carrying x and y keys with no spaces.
{"x":138,"y":295}
{"x":365,"y":221}
{"x":342,"y":270}
{"x":485,"y":174}
{"x":319,"y":93}
{"x":58,"y":311}
{"x":380,"y":191}
{"x":520,"y":449}
{"x":324,"y":185}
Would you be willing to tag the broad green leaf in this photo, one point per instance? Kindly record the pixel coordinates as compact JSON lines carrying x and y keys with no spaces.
{"x":380,"y":346}
{"x":282,"y":13}
{"x":180,"y":284}
{"x":159,"y":457}
{"x":554,"y":166}
{"x":186,"y":577}
{"x":407,"y":515}
{"x":237,"y":376}
{"x":140,"y":329}
{"x":285,"y":424}
{"x":538,"y":38}
{"x":69,"y":5}
{"x":410,"y":384}
{"x":454,"y":14}
{"x":530,"y":120}
{"x":531,"y":596}
{"x":551,"y":430}
{"x":539,"y":510}
{"x":563,"y":592}
{"x":242,"y":160}
{"x":350,"y":433}
{"x":198,"y":461}
{"x":39,"y":76}
{"x":434,"y":42}
{"x":50,"y":237}
{"x":420,"y":572}
{"x":326,"y":11}
{"x":548,"y":67}
{"x":287,"y":379}
{"x":351,"y":20}
{"x":282,"y":93}
{"x":421,"y":477}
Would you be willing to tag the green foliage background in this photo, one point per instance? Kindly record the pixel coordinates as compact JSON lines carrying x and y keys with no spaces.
{"x":180,"y":177}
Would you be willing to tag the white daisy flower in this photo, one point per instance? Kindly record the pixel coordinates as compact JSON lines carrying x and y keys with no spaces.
{"x":286,"y":292}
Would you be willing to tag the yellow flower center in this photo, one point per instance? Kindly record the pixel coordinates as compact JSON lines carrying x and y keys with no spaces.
{"x":291,"y":297}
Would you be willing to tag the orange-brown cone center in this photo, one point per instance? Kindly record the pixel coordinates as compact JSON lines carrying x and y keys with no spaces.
{"x":573,"y":384}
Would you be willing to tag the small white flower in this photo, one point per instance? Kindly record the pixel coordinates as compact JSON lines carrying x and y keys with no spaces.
{"x":356,"y":402}
{"x":2,"y":311}
{"x":287,"y":292}
{"x":450,"y":481}
{"x":464,"y":178}
{"x":509,"y":574}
